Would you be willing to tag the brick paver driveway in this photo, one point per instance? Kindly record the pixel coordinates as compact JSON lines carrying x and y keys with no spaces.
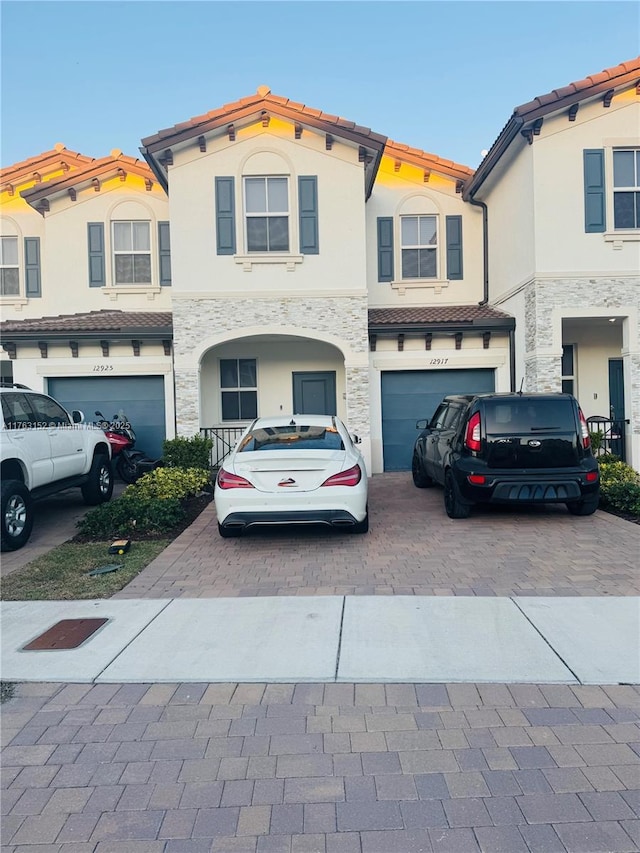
{"x":411,"y":548}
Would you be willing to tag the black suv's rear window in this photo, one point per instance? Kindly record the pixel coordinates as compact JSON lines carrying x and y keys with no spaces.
{"x":299,"y":437}
{"x":526,"y":415}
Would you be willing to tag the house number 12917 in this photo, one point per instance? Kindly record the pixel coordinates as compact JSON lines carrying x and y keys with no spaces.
{"x":102,"y":368}
{"x":438,"y":361}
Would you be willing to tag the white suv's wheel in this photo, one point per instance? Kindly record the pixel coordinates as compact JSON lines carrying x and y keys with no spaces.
{"x":17,"y":515}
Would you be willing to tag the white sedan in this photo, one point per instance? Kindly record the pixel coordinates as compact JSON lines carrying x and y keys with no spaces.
{"x":300,"y":469}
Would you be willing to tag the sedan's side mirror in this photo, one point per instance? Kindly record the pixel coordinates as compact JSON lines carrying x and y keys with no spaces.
{"x":422,"y":424}
{"x":77,"y":417}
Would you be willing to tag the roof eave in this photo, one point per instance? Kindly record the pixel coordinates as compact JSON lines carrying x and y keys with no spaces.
{"x":496,"y":324}
{"x":145,"y":333}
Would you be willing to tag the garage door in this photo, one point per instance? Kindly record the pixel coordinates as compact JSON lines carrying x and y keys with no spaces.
{"x":141,"y":398}
{"x":409,"y":395}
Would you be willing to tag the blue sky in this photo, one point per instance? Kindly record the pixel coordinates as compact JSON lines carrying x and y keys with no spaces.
{"x":443,"y":76}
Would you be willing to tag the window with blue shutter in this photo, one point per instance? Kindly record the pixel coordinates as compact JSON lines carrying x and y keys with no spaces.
{"x":164,"y":252}
{"x":308,"y":207}
{"x":385,"y":248}
{"x":594,"y":191}
{"x":95,"y":232}
{"x":32,"y":267}
{"x":225,"y":217}
{"x":454,"y":247}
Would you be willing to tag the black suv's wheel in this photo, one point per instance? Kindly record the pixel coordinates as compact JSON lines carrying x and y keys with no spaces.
{"x":17,"y":515}
{"x":587,"y":506}
{"x":452,"y":504}
{"x":99,"y":487}
{"x":420,"y":479}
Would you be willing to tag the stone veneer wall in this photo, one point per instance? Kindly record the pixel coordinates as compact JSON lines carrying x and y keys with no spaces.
{"x":196,"y":320}
{"x":543,"y":372}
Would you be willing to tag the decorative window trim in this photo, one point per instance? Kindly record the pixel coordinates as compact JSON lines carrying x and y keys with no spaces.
{"x":620,"y":237}
{"x":267,"y":214}
{"x":436,"y":249}
{"x":284,"y":259}
{"x":115,"y":253}
{"x":113,"y":291}
{"x":434,"y":284}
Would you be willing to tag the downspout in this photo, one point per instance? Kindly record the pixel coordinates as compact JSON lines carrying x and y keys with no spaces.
{"x":485,"y":248}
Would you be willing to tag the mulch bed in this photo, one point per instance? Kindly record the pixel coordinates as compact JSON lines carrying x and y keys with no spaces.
{"x":192,"y":506}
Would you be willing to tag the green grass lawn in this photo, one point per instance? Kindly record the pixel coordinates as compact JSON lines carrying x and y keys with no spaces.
{"x":62,"y":573}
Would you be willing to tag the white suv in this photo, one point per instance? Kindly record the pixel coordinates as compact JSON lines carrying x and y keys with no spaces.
{"x":45,"y":450}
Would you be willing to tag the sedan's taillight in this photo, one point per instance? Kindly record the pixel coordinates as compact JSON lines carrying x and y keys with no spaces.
{"x":226,"y":480}
{"x":350,"y":477}
{"x":586,"y":438}
{"x":472,"y":435}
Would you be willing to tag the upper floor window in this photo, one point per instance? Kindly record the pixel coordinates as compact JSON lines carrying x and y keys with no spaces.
{"x":132,"y":252}
{"x":267,"y":214}
{"x":419,"y":236}
{"x":238,"y":385}
{"x":626,"y":189}
{"x":9,"y":278}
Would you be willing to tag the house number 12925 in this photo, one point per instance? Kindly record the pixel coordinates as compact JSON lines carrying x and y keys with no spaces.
{"x":102,"y":368}
{"x":438,"y":360}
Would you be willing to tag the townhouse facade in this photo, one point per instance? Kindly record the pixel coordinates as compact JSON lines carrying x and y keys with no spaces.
{"x":267,"y":257}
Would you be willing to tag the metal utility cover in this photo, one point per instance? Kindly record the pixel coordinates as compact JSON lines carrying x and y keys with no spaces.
{"x":66,"y":634}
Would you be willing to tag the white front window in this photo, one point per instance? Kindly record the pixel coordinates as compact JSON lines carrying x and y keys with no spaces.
{"x":419,"y":236}
{"x":132,"y":252}
{"x":626,"y":189}
{"x":9,"y":278}
{"x":266,"y":204}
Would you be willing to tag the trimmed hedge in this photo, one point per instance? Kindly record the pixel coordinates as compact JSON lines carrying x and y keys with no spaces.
{"x":131,"y":513}
{"x":166,"y":483}
{"x":194,"y":452}
{"x":619,"y":487}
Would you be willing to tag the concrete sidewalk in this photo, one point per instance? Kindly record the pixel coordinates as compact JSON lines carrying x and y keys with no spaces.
{"x":332,"y":638}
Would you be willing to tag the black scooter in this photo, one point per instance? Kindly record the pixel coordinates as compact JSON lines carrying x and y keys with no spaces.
{"x":130,"y":464}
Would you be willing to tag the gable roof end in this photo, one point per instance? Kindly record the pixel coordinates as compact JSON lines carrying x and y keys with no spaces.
{"x":619,"y":77}
{"x":247,"y":110}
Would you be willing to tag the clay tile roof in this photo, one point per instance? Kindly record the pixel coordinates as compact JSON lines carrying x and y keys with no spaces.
{"x":263,"y":99}
{"x":106,"y":320}
{"x":428,"y":161}
{"x":435,"y":315}
{"x":582,"y":89}
{"x":48,"y":161}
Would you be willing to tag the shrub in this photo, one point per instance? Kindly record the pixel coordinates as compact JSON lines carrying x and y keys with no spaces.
{"x":194,"y":452}
{"x":164,"y":483}
{"x":619,"y":487}
{"x":130,"y":514}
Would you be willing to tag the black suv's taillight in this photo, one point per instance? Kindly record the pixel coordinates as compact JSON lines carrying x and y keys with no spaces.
{"x":472,"y":434}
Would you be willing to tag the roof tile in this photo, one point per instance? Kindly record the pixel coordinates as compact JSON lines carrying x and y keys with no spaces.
{"x":99,"y":321}
{"x":434,"y":314}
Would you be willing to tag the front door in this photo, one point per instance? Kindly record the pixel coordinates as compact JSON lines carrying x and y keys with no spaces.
{"x":314,"y":393}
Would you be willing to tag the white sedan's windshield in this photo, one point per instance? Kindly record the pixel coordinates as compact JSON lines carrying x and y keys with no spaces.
{"x":292,"y":437}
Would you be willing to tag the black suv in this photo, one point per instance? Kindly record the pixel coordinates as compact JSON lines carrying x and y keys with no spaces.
{"x":514,"y":448}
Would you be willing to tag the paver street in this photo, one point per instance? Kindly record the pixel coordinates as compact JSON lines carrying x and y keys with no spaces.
{"x":334,"y":768}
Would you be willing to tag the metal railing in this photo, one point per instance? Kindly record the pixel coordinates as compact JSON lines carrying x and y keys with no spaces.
{"x":224,"y":440}
{"x":610,"y":436}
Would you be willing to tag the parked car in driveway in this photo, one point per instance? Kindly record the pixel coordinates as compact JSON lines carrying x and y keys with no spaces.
{"x":513,"y":448}
{"x":300,"y":469}
{"x":46,"y":450}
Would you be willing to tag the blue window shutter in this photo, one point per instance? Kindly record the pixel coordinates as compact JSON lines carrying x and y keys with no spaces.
{"x":96,"y":254}
{"x":385,"y":248}
{"x":32,"y":266}
{"x":225,"y":216}
{"x":164,"y":252}
{"x":595,"y":218}
{"x":308,"y":206}
{"x":454,"y":247}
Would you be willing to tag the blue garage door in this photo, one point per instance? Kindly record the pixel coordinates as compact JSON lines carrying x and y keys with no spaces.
{"x":409,"y":395}
{"x":141,"y":398}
